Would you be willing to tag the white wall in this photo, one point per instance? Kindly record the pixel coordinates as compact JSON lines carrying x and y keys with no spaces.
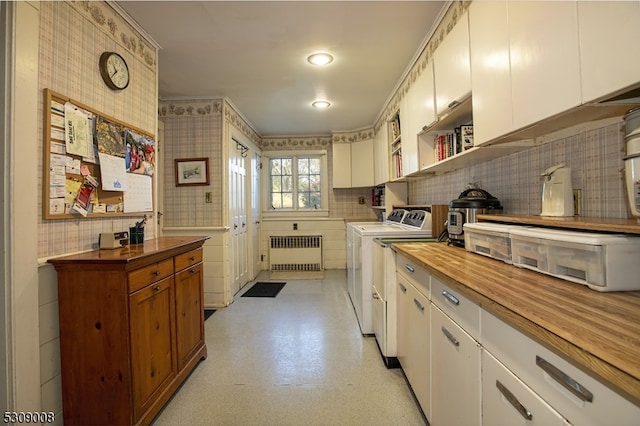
{"x":334,"y":240}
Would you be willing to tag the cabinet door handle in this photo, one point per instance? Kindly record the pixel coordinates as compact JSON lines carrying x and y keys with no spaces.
{"x":514,"y":401}
{"x":574,"y":387}
{"x":419,"y":305}
{"x":192,"y":271}
{"x":156,"y":289}
{"x":375,"y":296}
{"x":450,"y":297}
{"x":450,"y":337}
{"x":409,"y":268}
{"x":403,"y":288}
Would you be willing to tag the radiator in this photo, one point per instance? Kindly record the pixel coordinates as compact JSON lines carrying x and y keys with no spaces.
{"x":295,"y":253}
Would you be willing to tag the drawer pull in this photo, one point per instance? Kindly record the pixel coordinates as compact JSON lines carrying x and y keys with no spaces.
{"x":450,"y":297}
{"x":155,"y":273}
{"x":156,"y":289}
{"x":453,"y":104}
{"x":403,"y":288}
{"x":574,"y":387}
{"x":450,"y":337}
{"x":192,"y":258}
{"x":419,"y":305}
{"x":409,"y":268}
{"x":192,"y":271}
{"x":514,"y":401}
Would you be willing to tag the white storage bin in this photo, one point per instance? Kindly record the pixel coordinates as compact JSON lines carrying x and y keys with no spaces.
{"x":604,"y":262}
{"x":528,"y":251}
{"x":489,"y":239}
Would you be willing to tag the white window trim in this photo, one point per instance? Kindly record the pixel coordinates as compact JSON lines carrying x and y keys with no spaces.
{"x":266,"y":190}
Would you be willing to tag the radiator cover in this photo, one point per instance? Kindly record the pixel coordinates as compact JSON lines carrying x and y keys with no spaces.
{"x":295,"y":253}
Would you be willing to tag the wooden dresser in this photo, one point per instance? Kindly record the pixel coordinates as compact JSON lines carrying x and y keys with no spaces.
{"x":131,"y":328}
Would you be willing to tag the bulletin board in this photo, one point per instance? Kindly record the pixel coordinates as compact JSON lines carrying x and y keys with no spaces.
{"x":94,"y":166}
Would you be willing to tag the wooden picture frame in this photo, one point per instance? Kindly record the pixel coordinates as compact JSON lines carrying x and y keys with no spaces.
{"x":192,"y":171}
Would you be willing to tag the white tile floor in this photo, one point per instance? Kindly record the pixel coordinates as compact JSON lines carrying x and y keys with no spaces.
{"x":296,"y":359}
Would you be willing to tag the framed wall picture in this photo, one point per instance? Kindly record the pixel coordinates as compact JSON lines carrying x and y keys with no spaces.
{"x":192,"y":171}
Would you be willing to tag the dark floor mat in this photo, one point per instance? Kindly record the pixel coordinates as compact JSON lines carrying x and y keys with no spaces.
{"x":264,"y":289}
{"x":208,"y":313}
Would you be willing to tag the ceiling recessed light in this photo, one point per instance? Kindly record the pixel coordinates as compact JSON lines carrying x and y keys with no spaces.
{"x":320,"y":59}
{"x":321,"y":104}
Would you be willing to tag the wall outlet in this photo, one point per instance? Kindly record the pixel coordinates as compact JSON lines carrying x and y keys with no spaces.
{"x":577,"y":202}
{"x":295,"y":226}
{"x":361,"y":200}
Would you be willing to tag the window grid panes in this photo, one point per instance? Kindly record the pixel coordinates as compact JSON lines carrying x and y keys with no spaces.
{"x":295,"y":183}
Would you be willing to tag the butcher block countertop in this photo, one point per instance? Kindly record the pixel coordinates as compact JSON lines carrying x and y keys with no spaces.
{"x":600,"y":332}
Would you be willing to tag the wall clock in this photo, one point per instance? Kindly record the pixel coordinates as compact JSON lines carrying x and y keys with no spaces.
{"x":114,"y":70}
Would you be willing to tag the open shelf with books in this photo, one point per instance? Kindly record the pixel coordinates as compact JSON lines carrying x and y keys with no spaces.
{"x":395,"y":148}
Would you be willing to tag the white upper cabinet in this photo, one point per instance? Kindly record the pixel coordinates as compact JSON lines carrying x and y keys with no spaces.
{"x":353,"y":164}
{"x":409,"y":137}
{"x":421,"y":99}
{"x":452,"y":70}
{"x":609,"y":33}
{"x":341,"y":165}
{"x":362,"y":163}
{"x":545,"y":60}
{"x":491,"y":70}
{"x":381,"y":156}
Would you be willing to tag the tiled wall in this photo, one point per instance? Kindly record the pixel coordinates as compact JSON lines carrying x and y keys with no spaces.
{"x":595,"y":157}
{"x":72,"y":37}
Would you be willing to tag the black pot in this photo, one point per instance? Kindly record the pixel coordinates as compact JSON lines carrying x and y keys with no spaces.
{"x":465,"y":208}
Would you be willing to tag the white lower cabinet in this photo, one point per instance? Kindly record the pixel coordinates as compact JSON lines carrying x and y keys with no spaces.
{"x":468,"y":367}
{"x":455,"y":373}
{"x":507,"y":401}
{"x":576,"y":395}
{"x":414,"y":349}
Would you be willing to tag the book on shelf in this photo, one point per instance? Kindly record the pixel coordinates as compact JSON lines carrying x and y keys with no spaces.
{"x":395,"y":128}
{"x":467,"y":136}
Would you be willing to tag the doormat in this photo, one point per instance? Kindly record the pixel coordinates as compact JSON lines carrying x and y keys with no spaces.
{"x":264,"y":289}
{"x":208,"y":313}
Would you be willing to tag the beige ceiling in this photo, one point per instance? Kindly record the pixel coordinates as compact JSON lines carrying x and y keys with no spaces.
{"x":254,"y":53}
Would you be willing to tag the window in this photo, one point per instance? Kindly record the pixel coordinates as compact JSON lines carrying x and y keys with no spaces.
{"x":296,"y":182}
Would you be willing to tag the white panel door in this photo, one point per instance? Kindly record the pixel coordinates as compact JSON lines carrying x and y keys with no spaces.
{"x":254,"y":220}
{"x":238,"y":218}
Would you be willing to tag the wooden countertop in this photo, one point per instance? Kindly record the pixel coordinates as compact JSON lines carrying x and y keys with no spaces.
{"x":600,"y":332}
{"x":626,"y":226}
{"x":133,"y":254}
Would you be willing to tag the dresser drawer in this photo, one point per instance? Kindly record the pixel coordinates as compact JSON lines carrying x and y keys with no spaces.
{"x":460,"y":309}
{"x":150,"y":274}
{"x":418,"y":276}
{"x":187,"y":259}
{"x":576,"y":395}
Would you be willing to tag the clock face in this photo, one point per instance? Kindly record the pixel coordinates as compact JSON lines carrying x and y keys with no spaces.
{"x":114,"y":70}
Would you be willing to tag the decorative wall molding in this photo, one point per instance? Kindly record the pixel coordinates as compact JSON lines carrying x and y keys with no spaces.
{"x":354,"y":136}
{"x":449,"y":21}
{"x":110,"y":22}
{"x":233,"y":116}
{"x":190,"y":108}
{"x":295,"y":143}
